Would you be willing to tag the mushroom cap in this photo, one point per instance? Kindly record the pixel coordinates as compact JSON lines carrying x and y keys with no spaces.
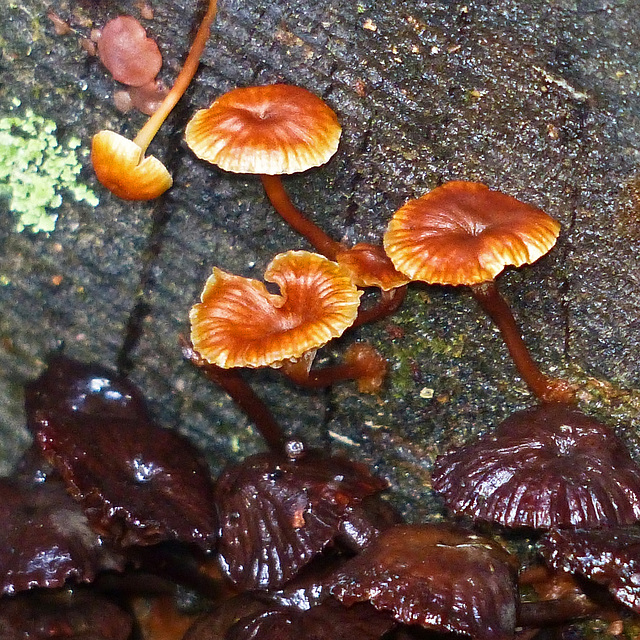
{"x":120,"y":166}
{"x":240,"y":324}
{"x":549,"y":466}
{"x":370,"y":267}
{"x":271,"y":129}
{"x":438,"y":576}
{"x":45,"y":539}
{"x":465,"y":233}
{"x":277,"y":513}
{"x":127,"y":53}
{"x":610,"y":557}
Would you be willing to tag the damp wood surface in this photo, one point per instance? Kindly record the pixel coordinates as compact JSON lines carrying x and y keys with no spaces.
{"x":537,"y":99}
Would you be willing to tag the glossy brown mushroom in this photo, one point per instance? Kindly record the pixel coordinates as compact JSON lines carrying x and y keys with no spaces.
{"x":45,"y":538}
{"x":120,"y":164}
{"x":463,"y":233}
{"x":549,"y":466}
{"x":137,"y":482}
{"x":278,"y":512}
{"x":437,"y":576}
{"x":125,"y":50}
{"x":610,"y":557}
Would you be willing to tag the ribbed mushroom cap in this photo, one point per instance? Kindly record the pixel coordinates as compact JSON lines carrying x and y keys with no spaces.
{"x":116,"y":161}
{"x":549,"y":466}
{"x":610,"y":557}
{"x":370,"y":267}
{"x":273,"y":129}
{"x":437,"y":576}
{"x":240,"y":324}
{"x":465,"y":233}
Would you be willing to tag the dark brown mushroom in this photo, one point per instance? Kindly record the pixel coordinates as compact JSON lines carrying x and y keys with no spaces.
{"x":610,"y":557}
{"x":437,"y":576}
{"x":548,"y":466}
{"x":278,"y":512}
{"x":45,"y":538}
{"x":137,"y":482}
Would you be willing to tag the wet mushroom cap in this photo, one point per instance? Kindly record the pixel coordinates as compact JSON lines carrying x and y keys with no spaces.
{"x":370,"y":267}
{"x":465,"y":233}
{"x":45,"y":538}
{"x":127,"y":53}
{"x":610,"y":557}
{"x":137,"y":482}
{"x":437,"y":576}
{"x":118,"y":166}
{"x":549,"y":466}
{"x":273,"y":129}
{"x":71,"y":386}
{"x":278,"y":513}
{"x":240,"y":324}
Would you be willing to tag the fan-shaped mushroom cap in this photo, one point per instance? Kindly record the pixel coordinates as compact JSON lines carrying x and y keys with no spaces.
{"x":127,"y":53}
{"x":117,"y":163}
{"x":240,"y":324}
{"x":550,"y":466}
{"x":465,"y":233}
{"x":370,"y":267}
{"x":273,"y":129}
{"x":437,"y":576}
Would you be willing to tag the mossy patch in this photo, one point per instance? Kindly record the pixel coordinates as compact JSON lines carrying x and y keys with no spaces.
{"x":36,"y":169}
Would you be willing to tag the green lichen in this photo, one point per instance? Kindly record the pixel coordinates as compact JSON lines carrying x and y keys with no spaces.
{"x":35,"y":169}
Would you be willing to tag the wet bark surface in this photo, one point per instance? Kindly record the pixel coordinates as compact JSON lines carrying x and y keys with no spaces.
{"x":537,"y":99}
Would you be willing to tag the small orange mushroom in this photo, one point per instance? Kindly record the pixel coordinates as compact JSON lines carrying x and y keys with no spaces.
{"x":120,"y":164}
{"x":239,"y":323}
{"x":463,"y":233}
{"x":270,"y":130}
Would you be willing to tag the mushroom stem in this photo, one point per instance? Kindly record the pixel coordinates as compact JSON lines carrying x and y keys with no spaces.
{"x":149,"y":130}
{"x":388,"y":302}
{"x":558,"y":611}
{"x":281,"y":202}
{"x":545,"y":388}
{"x":362,"y":363}
{"x":243,"y":395}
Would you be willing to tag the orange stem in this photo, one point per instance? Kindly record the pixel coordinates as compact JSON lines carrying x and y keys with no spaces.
{"x":149,"y":130}
{"x":281,"y":202}
{"x":545,"y":388}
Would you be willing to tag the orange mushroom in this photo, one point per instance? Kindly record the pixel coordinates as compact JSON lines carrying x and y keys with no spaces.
{"x":270,"y":130}
{"x":120,"y":164}
{"x":282,"y":129}
{"x":463,"y":233}
{"x":239,"y":323}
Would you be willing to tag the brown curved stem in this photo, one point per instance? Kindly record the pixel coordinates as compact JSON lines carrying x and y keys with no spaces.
{"x":151,"y":127}
{"x":388,"y":302}
{"x":550,"y":612}
{"x":545,"y":388}
{"x":243,"y":395}
{"x":281,"y":202}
